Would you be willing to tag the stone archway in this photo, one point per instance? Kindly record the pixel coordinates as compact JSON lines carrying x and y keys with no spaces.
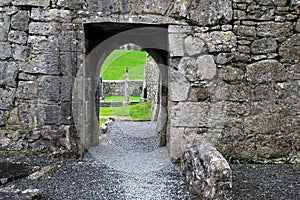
{"x":101,"y":40}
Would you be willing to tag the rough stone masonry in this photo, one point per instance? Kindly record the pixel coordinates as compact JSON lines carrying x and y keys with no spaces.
{"x":234,"y":72}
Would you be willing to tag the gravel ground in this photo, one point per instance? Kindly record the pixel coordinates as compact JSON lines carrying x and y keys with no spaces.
{"x":128,"y":164}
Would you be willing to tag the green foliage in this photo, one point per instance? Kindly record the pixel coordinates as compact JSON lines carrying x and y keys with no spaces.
{"x":140,"y":111}
{"x":115,"y":64}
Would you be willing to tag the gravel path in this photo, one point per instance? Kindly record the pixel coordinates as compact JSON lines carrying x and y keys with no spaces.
{"x":128,"y":164}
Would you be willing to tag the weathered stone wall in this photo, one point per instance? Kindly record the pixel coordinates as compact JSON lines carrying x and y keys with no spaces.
{"x":234,"y":72}
{"x":238,"y":83}
{"x":152,"y":75}
{"x":117,"y":88}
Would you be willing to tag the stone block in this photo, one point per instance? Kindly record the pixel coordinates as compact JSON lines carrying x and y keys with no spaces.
{"x":27,"y":90}
{"x":298,"y":26}
{"x":211,"y":13}
{"x":47,"y":63}
{"x":190,"y":114}
{"x":290,"y":49}
{"x":66,"y":115}
{"x":264,"y":45}
{"x":223,"y":58}
{"x":263,"y":123}
{"x":200,"y":93}
{"x":19,"y":37}
{"x":20,"y":52}
{"x":20,"y":21}
{"x":51,"y":116}
{"x":7,"y":96}
{"x":263,"y":92}
{"x":275,"y":29}
{"x":57,"y":15}
{"x":176,"y":45}
{"x":247,"y":31}
{"x":179,"y":87}
{"x":294,"y":72}
{"x":212,"y":179}
{"x":49,"y":88}
{"x":207,"y":68}
{"x":237,"y":109}
{"x":221,"y":41}
{"x":5,"y":26}
{"x":66,"y":86}
{"x":194,"y":46}
{"x":3,"y":118}
{"x":237,"y":93}
{"x":8,"y":74}
{"x":42,"y":44}
{"x":40,"y":3}
{"x":266,"y":71}
{"x":188,"y":68}
{"x":232,"y":74}
{"x":43,"y":28}
{"x":176,"y":143}
{"x":28,"y":115}
{"x":5,"y":50}
{"x":5,"y":2}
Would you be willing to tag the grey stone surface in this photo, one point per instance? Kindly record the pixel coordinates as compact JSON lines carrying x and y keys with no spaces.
{"x":188,"y":67}
{"x":7,"y":96}
{"x":264,"y":46}
{"x":5,"y":50}
{"x":27,"y":90}
{"x":265,"y":71}
{"x":20,"y":52}
{"x":207,"y":68}
{"x":194,"y":46}
{"x":43,"y":28}
{"x":211,"y":13}
{"x":179,"y":87}
{"x":58,"y":15}
{"x":47,"y":63}
{"x":176,"y":43}
{"x":19,"y":37}
{"x":290,"y":49}
{"x":5,"y":26}
{"x":274,"y":29}
{"x":207,"y":172}
{"x":42,"y":3}
{"x":49,"y":88}
{"x":8,"y":74}
{"x":20,"y":21}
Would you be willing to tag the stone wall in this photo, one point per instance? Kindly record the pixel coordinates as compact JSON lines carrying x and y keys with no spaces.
{"x":233,"y":72}
{"x":152,"y":75}
{"x":117,"y":88}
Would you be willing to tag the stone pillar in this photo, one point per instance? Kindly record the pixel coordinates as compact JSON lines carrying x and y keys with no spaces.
{"x":126,"y":102}
{"x":144,"y":89}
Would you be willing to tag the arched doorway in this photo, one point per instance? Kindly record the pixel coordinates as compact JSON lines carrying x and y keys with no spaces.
{"x":101,"y":40}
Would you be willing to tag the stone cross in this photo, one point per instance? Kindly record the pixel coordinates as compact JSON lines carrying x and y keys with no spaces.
{"x":101,"y":88}
{"x":126,"y":102}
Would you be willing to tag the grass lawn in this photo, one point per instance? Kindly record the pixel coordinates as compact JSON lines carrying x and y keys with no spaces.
{"x":121,"y":99}
{"x":114,"y":66}
{"x":140,"y":111}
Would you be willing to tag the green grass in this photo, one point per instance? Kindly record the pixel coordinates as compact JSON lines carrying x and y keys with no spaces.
{"x":121,"y":99}
{"x":102,"y":121}
{"x":140,"y":111}
{"x":114,"y":66}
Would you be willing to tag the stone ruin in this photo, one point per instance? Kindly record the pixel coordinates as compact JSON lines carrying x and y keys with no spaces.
{"x":229,"y":73}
